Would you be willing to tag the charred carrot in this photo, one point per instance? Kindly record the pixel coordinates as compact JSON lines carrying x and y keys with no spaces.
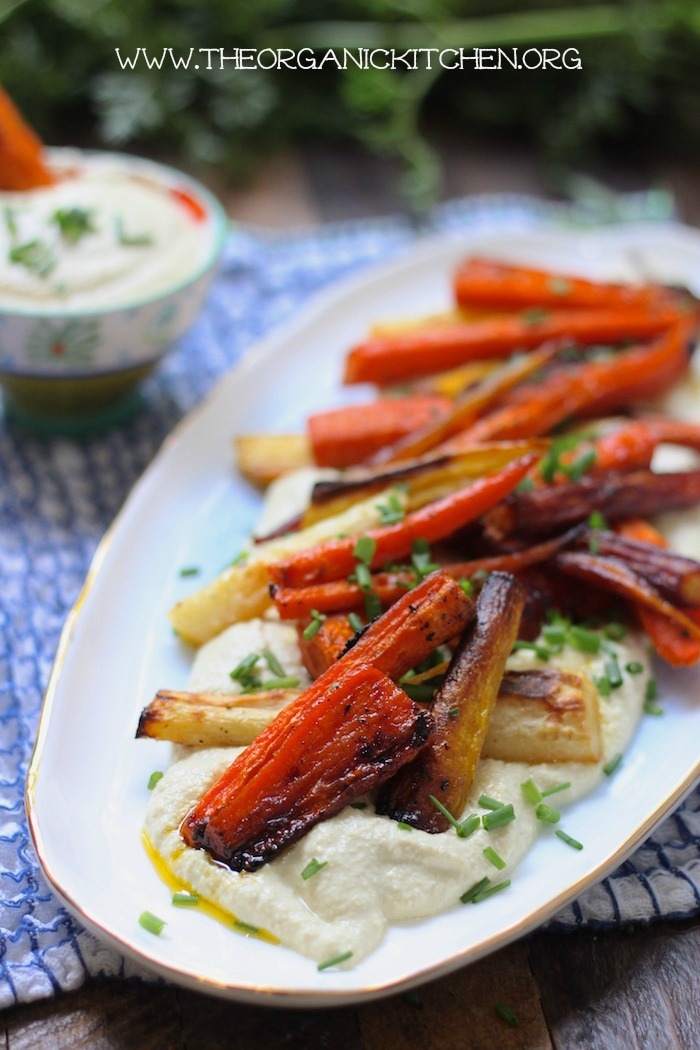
{"x":320,"y":648}
{"x":616,"y":496}
{"x":21,"y":163}
{"x":336,"y":745}
{"x":353,"y":433}
{"x":674,"y":576}
{"x":335,"y":559}
{"x":595,"y":386}
{"x":416,"y":352}
{"x":487,"y":282}
{"x":670,"y":641}
{"x":613,"y":575}
{"x":445,"y":768}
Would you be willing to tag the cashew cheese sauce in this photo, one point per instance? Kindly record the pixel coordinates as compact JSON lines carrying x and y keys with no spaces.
{"x":375,"y":873}
{"x":102,"y":236}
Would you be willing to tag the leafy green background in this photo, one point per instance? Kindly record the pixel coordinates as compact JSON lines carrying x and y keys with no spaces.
{"x":640,"y":81}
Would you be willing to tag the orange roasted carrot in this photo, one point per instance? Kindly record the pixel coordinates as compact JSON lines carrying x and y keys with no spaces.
{"x":338,"y":743}
{"x":325,"y":645}
{"x":670,"y":641}
{"x":595,"y":386}
{"x":466,"y":408}
{"x":21,"y":163}
{"x":436,"y":611}
{"x":353,"y":433}
{"x":407,"y":354}
{"x":487,"y":282}
{"x":335,"y":559}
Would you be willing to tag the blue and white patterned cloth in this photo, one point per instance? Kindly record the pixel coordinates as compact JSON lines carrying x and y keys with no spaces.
{"x":57,"y":496}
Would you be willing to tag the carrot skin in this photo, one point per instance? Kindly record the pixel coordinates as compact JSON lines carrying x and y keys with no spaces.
{"x":417,"y":352}
{"x":339,"y":745}
{"x":21,"y":163}
{"x":487,"y":282}
{"x":319,"y":652}
{"x":335,"y":560}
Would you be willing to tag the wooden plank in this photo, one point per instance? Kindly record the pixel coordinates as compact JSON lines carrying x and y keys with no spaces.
{"x":99,"y":1018}
{"x":459,"y":1011}
{"x":278,"y":197}
{"x":621,"y":990}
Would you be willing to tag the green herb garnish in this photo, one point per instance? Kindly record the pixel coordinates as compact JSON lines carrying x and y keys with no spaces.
{"x":634,"y":667}
{"x":185,"y":900}
{"x":190,"y":570}
{"x":35,"y":256}
{"x":74,"y":223}
{"x":151,"y":922}
{"x":490,"y":890}
{"x":391,"y":512}
{"x":475,"y":890}
{"x":613,"y":765}
{"x":531,"y":793}
{"x":314,"y":627}
{"x":154,"y":778}
{"x":582,"y":639}
{"x":355,"y":622}
{"x":493,"y":858}
{"x":335,"y":961}
{"x":486,"y":802}
{"x":273,"y":663}
{"x":574,"y":843}
{"x":497,"y":818}
{"x":312,"y":868}
{"x":548,"y":814}
{"x":420,"y":558}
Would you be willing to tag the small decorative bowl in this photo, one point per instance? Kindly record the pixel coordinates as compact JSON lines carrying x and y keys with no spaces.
{"x":71,"y":363}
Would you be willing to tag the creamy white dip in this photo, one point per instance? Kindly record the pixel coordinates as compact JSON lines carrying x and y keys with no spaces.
{"x":375,"y":872}
{"x":139,"y":240}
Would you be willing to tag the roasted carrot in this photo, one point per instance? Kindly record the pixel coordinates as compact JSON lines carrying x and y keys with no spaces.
{"x":333,"y":747}
{"x":549,"y":509}
{"x":343,"y":436}
{"x":613,"y":575}
{"x":322,"y":648}
{"x":471,"y":404}
{"x":670,"y":641}
{"x":406,"y":355}
{"x":487,"y":282}
{"x":335,"y":559}
{"x":675,"y":577}
{"x":595,"y":386}
{"x":22,"y":166}
{"x":294,"y":603}
{"x":445,"y":768}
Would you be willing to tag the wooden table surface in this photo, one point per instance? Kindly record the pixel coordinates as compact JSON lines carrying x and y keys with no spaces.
{"x":636,"y":988}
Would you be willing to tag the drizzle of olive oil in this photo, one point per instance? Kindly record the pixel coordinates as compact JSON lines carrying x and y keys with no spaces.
{"x":214,"y":911}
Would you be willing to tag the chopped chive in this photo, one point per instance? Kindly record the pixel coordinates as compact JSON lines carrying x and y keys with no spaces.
{"x":553,"y":616}
{"x":559,"y":286}
{"x":582,"y":639}
{"x":650,"y":708}
{"x":531,"y":793}
{"x":613,"y":672}
{"x":358,"y":805}
{"x":652,"y":691}
{"x":490,"y":890}
{"x":422,"y":693}
{"x":597,"y":521}
{"x":467,"y":586}
{"x":616,"y":632}
{"x":634,"y":667}
{"x":273,"y":663}
{"x":373,"y":606}
{"x":335,"y":961}
{"x":445,"y":812}
{"x":526,"y":485}
{"x":420,"y":558}
{"x":151,"y":922}
{"x":475,"y":890}
{"x":469,"y":826}
{"x":548,"y":814}
{"x":574,"y":843}
{"x":603,"y":685}
{"x":190,"y":570}
{"x":245,"y":927}
{"x":74,"y":223}
{"x":610,"y":767}
{"x":154,"y":778}
{"x":505,"y":1013}
{"x":583,"y":463}
{"x":497,"y":818}
{"x":391,"y":512}
{"x":492,"y":856}
{"x":10,"y":215}
{"x":240,"y":559}
{"x":557,"y":787}
{"x":286,"y":682}
{"x":363,"y":577}
{"x":540,"y":651}
{"x":355,"y":622}
{"x":35,"y":256}
{"x":244,"y":668}
{"x":403,"y":825}
{"x":312,"y":628}
{"x":486,"y":802}
{"x":554,"y":634}
{"x":185,"y":900}
{"x":453,"y":712}
{"x":594,"y":545}
{"x":534,"y":315}
{"x":312,"y":868}
{"x":364,"y":549}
